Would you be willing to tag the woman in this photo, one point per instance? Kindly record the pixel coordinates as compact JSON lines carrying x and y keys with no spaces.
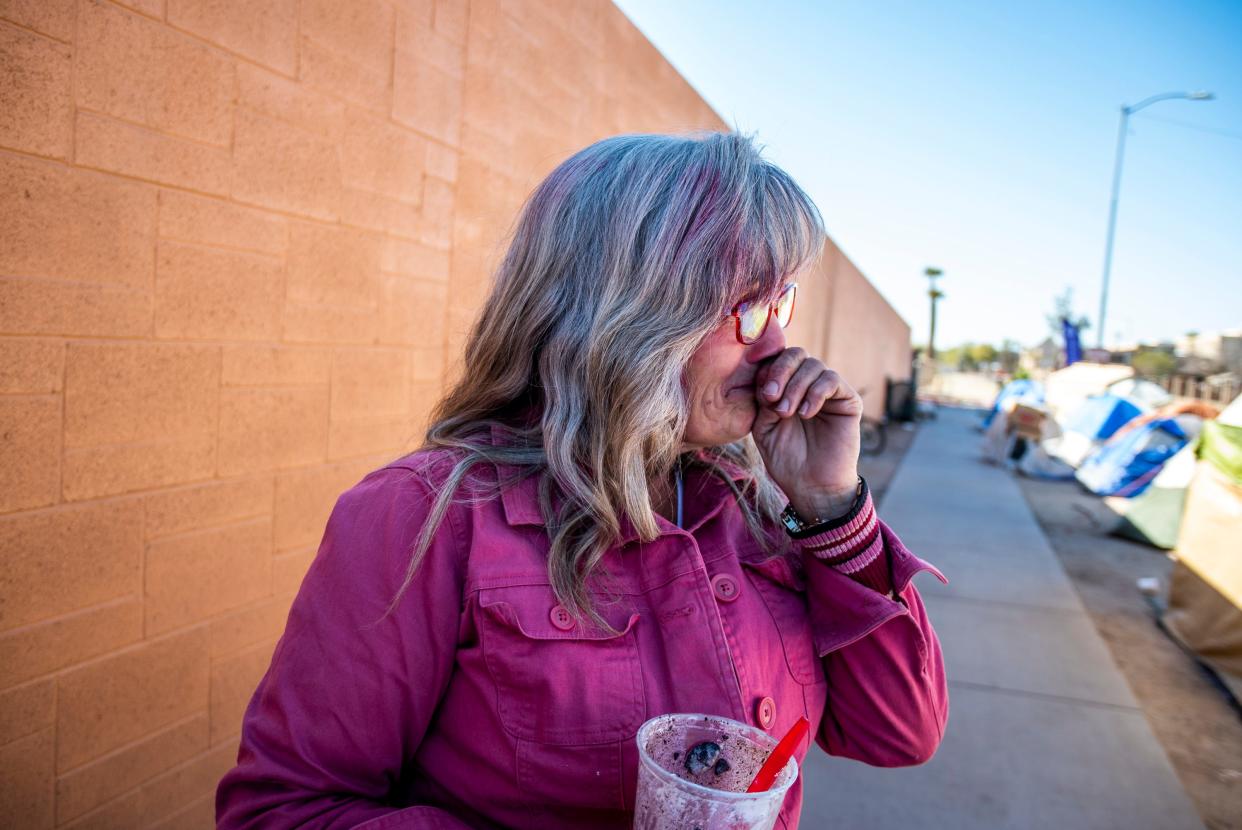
{"x":593,"y":534}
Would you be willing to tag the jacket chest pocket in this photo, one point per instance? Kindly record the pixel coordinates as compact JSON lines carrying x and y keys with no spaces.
{"x":784,"y":593}
{"x":556,"y":683}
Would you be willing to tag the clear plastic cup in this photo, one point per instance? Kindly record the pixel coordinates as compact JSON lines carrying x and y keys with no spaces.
{"x":671,"y":796}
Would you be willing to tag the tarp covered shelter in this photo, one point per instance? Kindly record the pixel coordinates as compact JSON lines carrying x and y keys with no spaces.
{"x":1022,"y":389}
{"x":1144,"y":393}
{"x":1100,"y":416}
{"x":1126,"y":464}
{"x":1066,"y":389}
{"x":1090,"y":425}
{"x":1205,"y":592}
{"x":1155,"y":516}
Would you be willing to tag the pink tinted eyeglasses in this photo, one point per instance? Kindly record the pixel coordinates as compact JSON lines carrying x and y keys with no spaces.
{"x":753,"y":318}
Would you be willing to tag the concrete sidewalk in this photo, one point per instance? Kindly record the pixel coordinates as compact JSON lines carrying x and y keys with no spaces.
{"x":1043,"y":730}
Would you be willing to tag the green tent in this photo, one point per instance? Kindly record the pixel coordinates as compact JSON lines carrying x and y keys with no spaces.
{"x":1222,"y":445}
{"x":1155,"y":515}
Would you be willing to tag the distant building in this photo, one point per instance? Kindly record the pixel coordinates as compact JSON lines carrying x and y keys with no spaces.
{"x":1097,"y":355}
{"x":1211,"y":352}
{"x":1042,"y":358}
{"x":1124,"y":353}
{"x":1231,"y":352}
{"x":1197,"y":365}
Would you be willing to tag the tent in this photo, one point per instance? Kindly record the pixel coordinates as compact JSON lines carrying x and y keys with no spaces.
{"x":1126,"y":464}
{"x":1036,"y":462}
{"x":1090,"y":425}
{"x":1022,"y":390}
{"x":1016,"y":433}
{"x":998,"y":439}
{"x":1066,"y":389}
{"x":1155,"y":515}
{"x":1100,"y":416}
{"x":1142,"y":392}
{"x":1150,"y":508}
{"x":1205,"y":593}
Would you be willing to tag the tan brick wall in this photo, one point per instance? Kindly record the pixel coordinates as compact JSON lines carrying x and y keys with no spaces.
{"x":866,"y":340}
{"x":228,"y":233}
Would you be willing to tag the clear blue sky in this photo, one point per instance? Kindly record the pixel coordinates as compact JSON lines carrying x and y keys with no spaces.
{"x":979,"y":137}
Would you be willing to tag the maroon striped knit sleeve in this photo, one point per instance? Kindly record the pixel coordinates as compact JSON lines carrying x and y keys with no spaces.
{"x":855,"y":549}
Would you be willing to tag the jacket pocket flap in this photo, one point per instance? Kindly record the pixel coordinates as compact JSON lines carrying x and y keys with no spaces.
{"x":535,"y":622}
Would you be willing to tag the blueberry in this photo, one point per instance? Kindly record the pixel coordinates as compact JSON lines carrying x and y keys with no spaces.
{"x":702,"y":756}
{"x":722,"y":766}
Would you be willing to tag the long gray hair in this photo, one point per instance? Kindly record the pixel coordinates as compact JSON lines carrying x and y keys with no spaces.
{"x":623,"y":260}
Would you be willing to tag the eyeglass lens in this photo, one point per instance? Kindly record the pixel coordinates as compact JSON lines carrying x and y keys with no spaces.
{"x":755,"y":316}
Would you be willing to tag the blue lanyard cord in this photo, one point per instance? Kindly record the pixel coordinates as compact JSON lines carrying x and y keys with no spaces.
{"x":679,"y":493}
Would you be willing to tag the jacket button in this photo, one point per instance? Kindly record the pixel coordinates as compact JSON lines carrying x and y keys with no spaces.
{"x":766,"y":712}
{"x":561,"y":618}
{"x":725,"y":587}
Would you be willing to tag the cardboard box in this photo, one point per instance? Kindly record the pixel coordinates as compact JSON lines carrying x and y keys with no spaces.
{"x":1027,"y":421}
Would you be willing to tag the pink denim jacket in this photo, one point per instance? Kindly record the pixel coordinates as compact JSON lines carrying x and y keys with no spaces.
{"x":481,"y":703}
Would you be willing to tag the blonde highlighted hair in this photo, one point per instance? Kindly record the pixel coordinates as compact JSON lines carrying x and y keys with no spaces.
{"x":622,"y":261}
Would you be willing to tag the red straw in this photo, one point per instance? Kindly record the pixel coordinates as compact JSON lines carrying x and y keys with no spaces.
{"x":779,"y":757}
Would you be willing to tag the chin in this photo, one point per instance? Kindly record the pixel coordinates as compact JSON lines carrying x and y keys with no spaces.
{"x":729,"y":425}
{"x":744,"y":421}
{"x":717,"y":437}
{"x":739,"y":429}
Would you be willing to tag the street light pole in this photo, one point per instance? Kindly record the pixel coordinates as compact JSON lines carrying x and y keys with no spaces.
{"x":935,"y":294}
{"x":1126,"y":112}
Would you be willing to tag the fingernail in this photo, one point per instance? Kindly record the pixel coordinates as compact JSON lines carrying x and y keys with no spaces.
{"x":771,"y":389}
{"x":782,"y":407}
{"x":802,"y":410}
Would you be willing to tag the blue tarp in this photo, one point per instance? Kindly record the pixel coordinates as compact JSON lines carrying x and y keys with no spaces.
{"x":1027,"y":391}
{"x":1126,"y":465}
{"x":1100,"y":416}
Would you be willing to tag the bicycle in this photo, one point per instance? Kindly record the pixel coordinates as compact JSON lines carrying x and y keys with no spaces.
{"x":873,"y":433}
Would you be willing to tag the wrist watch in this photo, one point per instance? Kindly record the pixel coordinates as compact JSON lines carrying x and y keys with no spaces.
{"x":799,"y":527}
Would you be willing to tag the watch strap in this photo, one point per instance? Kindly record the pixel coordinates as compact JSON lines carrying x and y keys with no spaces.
{"x":806,"y":530}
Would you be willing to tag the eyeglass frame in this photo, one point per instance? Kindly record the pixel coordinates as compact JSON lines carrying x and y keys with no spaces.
{"x":738,"y":310}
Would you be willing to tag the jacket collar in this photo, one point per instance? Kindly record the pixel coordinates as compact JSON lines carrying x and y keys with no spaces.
{"x":521,"y":500}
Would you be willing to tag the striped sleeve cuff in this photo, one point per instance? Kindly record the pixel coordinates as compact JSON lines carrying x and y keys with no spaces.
{"x":856,"y":548}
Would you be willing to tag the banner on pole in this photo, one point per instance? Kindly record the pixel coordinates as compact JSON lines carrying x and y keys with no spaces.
{"x":1073,"y":351}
